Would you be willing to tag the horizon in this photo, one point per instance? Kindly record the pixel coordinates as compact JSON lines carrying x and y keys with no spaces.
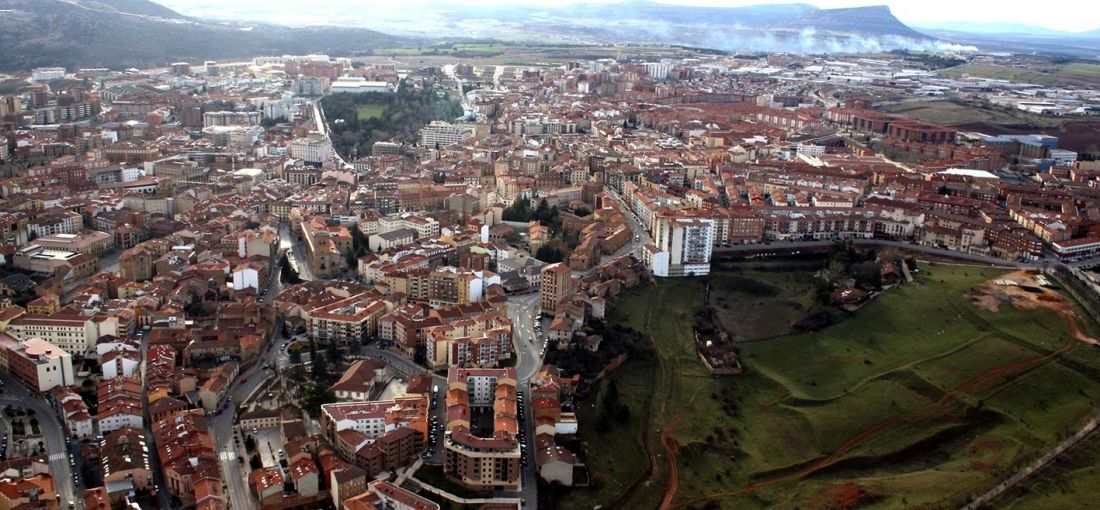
{"x":931,"y":14}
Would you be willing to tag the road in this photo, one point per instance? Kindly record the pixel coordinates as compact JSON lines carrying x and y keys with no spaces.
{"x":523,"y":311}
{"x":223,"y":425}
{"x":322,"y":127}
{"x":16,"y":395}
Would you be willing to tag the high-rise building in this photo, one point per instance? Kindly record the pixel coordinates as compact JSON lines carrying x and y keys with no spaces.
{"x":554,"y":285}
{"x":683,"y":246}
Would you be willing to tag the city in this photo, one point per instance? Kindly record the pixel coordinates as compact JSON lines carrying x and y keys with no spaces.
{"x":566,"y":274}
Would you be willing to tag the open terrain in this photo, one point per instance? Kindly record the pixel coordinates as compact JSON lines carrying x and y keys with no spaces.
{"x":1072,"y":73}
{"x":954,"y":112}
{"x":931,"y":393}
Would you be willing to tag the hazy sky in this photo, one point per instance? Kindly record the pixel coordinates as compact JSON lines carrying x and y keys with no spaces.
{"x":1067,"y":15}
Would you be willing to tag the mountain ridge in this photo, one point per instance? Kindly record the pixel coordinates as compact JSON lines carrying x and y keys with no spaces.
{"x":141,"y":33}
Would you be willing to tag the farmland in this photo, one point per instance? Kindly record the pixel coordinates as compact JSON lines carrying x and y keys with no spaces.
{"x":927,"y":395}
{"x":1073,"y":73}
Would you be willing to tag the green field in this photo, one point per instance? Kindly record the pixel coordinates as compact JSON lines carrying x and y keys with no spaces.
{"x":951,"y":112}
{"x":1075,"y":73}
{"x":894,"y":407}
{"x":369,"y":111}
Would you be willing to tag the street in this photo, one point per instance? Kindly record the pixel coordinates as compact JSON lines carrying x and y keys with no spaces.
{"x":16,"y":395}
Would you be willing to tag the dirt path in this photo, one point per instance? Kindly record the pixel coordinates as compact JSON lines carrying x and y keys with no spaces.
{"x":1006,"y":374}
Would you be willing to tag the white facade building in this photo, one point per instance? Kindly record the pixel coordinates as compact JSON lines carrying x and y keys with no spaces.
{"x":444,"y":133}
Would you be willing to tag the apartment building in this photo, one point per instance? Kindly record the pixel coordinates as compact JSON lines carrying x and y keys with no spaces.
{"x":75,"y":334}
{"x":442,"y":134}
{"x":351,"y":320}
{"x":36,"y":363}
{"x":683,"y":246}
{"x":315,"y":148}
{"x":490,"y":458}
{"x":555,"y":284}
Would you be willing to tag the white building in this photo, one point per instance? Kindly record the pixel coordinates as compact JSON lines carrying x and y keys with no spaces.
{"x":355,"y":85}
{"x":444,"y":133}
{"x":315,"y":148}
{"x":245,"y":276}
{"x":688,"y":241}
{"x":47,"y":73}
{"x":36,"y":363}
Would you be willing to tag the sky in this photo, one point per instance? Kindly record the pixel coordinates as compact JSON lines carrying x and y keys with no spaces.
{"x":1063,"y":15}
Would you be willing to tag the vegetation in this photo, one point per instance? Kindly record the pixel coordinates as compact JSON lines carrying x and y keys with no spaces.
{"x":549,"y":254}
{"x":920,"y":399}
{"x":319,"y":393}
{"x":360,"y":120}
{"x":289,"y":275}
{"x":1053,"y":74}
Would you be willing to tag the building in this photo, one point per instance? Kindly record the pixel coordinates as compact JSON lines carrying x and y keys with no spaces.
{"x":490,"y":458}
{"x":315,"y":148}
{"x":351,"y":320}
{"x":75,"y":334}
{"x":377,"y":436}
{"x":124,"y":457}
{"x":358,"y":382}
{"x":688,"y":243}
{"x":55,"y":221}
{"x":555,"y":284}
{"x":40,"y":259}
{"x":223,"y":119}
{"x":357,"y":85}
{"x":89,"y":241}
{"x":36,"y":363}
{"x":442,"y":134}
{"x":47,"y":73}
{"x":384,"y":494}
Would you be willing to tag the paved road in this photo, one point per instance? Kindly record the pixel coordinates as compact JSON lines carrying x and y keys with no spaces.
{"x":17,"y":395}
{"x":523,"y":310}
{"x":222,"y":425}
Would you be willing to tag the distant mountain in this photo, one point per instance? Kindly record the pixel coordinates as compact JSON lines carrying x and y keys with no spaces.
{"x":868,"y":21}
{"x":990,"y":28}
{"x":129,"y":33}
{"x":1084,"y":45}
{"x":799,"y":28}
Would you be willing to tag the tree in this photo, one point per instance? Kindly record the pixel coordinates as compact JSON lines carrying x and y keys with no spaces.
{"x":318,"y":395}
{"x":520,"y":210}
{"x":294,"y":356}
{"x":255,"y":462}
{"x":318,"y":367}
{"x":549,"y":254}
{"x":289,"y":275}
{"x":582,"y":211}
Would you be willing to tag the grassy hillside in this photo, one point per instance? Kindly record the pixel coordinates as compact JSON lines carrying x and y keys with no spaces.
{"x":922,"y":398}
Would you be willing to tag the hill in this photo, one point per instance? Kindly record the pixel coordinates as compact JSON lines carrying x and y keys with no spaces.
{"x":137,"y":33}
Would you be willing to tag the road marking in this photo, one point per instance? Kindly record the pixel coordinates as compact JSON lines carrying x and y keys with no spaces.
{"x":58,"y":456}
{"x":228,"y":456}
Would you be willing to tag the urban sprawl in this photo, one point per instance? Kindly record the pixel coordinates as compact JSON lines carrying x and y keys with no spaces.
{"x":217,"y":295}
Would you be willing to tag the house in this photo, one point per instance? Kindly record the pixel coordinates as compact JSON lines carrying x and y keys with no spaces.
{"x":358,"y":381}
{"x":305,"y":477}
{"x":266,"y":484}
